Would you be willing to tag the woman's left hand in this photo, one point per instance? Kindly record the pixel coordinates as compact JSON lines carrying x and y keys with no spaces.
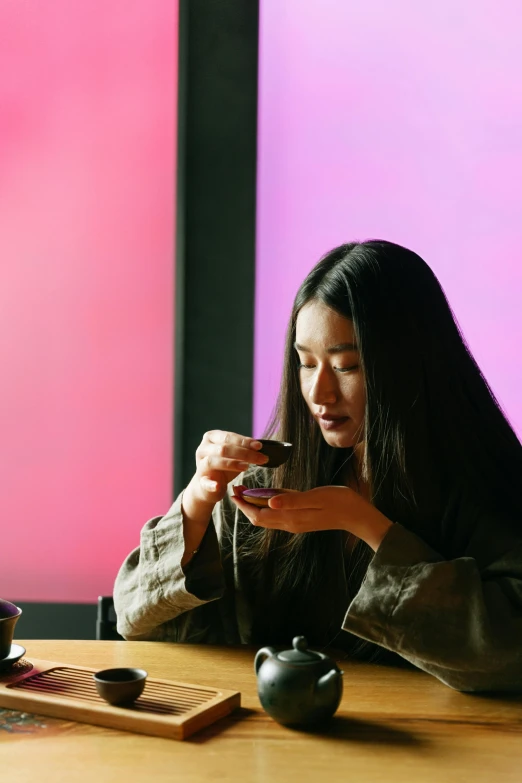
{"x":322,"y":508}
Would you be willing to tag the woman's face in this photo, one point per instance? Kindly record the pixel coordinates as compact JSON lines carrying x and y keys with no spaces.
{"x":331,"y":379}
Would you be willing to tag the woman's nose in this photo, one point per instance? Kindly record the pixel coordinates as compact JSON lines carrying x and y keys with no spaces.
{"x":323,"y":390}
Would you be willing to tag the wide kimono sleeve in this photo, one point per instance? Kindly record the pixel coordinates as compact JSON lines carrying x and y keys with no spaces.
{"x":152,"y":591}
{"x":458,"y":619}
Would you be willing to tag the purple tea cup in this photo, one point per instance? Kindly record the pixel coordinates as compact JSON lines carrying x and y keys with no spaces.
{"x":9,"y":614}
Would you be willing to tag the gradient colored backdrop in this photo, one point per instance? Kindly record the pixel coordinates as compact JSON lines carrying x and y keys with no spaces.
{"x":400,"y":121}
{"x":87,"y":145}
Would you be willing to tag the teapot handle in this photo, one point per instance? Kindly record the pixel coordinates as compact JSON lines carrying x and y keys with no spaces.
{"x":263,"y":653}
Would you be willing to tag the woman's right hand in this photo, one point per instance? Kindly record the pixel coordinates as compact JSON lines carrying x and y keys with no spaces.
{"x":220,"y":457}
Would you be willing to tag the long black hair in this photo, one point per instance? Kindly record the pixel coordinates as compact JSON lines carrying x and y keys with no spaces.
{"x":433,"y":429}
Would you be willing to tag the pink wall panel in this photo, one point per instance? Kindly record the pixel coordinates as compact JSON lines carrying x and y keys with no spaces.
{"x":400,"y":121}
{"x":87,"y":141}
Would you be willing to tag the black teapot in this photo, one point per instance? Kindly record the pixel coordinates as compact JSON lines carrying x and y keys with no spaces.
{"x":298,"y":687}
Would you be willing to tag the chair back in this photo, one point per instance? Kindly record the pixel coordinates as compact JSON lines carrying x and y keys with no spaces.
{"x":106,"y":619}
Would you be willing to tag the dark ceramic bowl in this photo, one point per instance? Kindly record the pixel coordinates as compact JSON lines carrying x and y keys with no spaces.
{"x":277,"y":452}
{"x":9,"y":614}
{"x":120,"y":686}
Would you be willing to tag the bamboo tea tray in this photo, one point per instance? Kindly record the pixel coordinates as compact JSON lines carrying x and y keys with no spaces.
{"x":166,"y":708}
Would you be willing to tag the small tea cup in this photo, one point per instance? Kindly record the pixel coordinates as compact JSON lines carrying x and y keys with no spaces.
{"x":9,"y":614}
{"x":277,"y":451}
{"x":120,"y":686}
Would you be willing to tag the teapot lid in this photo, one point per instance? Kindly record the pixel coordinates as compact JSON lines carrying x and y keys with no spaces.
{"x":300,"y":652}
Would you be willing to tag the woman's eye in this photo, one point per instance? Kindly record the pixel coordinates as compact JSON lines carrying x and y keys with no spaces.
{"x":303,"y":366}
{"x":347,"y":369}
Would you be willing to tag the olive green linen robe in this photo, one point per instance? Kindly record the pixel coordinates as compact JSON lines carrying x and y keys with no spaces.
{"x":458,"y":618}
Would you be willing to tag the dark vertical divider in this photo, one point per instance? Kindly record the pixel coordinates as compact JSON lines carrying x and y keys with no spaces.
{"x":215,"y":253}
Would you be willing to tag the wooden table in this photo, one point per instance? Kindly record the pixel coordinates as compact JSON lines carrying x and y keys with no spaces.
{"x":392,"y":725}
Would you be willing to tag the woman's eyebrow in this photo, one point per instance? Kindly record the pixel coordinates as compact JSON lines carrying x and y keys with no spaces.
{"x":341,"y":348}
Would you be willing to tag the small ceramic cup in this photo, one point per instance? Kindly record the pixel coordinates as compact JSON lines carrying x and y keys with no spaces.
{"x":9,"y":614}
{"x":120,"y":686}
{"x":277,"y":452}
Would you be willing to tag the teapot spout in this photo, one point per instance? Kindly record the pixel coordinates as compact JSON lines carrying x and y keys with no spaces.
{"x":328,"y":693}
{"x":327,"y":680}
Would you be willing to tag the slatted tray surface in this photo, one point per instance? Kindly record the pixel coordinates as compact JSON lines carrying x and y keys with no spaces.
{"x":166,"y":708}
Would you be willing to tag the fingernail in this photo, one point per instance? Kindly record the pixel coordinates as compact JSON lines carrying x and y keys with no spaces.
{"x":211,"y":485}
{"x":275,"y":503}
{"x":256,"y":445}
{"x":244,"y":465}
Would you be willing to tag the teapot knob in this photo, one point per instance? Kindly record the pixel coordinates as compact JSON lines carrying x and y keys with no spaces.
{"x":300,"y":643}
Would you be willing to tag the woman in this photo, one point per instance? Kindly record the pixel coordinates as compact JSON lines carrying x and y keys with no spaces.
{"x":403,"y":539}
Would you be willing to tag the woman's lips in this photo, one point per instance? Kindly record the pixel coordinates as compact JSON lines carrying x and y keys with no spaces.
{"x":332,"y":422}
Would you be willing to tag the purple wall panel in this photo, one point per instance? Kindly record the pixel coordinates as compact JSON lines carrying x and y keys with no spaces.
{"x":400,"y":121}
